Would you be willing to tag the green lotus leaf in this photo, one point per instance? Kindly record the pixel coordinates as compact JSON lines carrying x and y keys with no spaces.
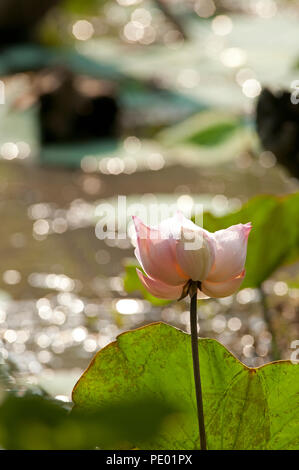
{"x":245,"y":408}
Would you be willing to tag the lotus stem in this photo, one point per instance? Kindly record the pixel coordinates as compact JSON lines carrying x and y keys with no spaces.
{"x":196,"y":367}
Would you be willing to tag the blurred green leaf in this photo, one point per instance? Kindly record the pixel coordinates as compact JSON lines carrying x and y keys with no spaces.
{"x":34,"y":422}
{"x":206,"y":128}
{"x":209,"y":137}
{"x":244,"y":408}
{"x":78,"y":7}
{"x":30,"y":422}
{"x":213,"y":135}
{"x":274,"y":239}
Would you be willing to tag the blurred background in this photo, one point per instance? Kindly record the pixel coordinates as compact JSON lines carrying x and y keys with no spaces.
{"x":163,"y":101}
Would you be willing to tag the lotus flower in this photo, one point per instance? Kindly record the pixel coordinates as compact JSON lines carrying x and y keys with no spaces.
{"x":178,"y":252}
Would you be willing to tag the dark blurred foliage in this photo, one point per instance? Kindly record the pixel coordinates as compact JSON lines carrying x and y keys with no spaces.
{"x":277,"y":120}
{"x":70,"y":110}
{"x":76,"y":108}
{"x":34,"y":421}
{"x":19,"y":19}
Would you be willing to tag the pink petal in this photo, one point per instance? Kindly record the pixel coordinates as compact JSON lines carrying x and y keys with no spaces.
{"x":201,"y":295}
{"x":222,"y":289}
{"x":231,"y":250}
{"x":171,"y":227}
{"x":159,"y":289}
{"x":195,"y":253}
{"x":157,"y":255}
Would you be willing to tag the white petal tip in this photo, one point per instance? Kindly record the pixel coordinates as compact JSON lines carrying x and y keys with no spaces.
{"x":247,"y":229}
